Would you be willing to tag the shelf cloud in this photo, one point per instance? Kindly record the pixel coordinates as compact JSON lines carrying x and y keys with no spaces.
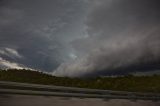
{"x":124,"y":37}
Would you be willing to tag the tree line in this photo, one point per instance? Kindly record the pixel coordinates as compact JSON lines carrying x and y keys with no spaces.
{"x":120,"y":83}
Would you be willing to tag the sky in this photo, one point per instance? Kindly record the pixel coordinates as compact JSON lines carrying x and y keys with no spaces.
{"x":77,"y":38}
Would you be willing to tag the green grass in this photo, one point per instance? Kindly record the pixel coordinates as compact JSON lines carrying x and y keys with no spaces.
{"x":126,"y":83}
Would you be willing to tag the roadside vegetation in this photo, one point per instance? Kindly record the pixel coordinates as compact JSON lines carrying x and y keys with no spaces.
{"x":125,"y":83}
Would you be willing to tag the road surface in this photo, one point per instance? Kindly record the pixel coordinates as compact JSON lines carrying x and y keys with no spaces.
{"x":28,"y":100}
{"x":46,"y":90}
{"x":22,"y":94}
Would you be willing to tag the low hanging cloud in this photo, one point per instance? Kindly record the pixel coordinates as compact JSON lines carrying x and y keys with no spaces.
{"x":9,"y":57}
{"x":123,"y":37}
{"x":10,"y":53}
{"x":4,"y":64}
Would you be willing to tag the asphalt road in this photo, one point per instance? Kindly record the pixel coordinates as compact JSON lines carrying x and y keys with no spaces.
{"x":12,"y":94}
{"x":36,"y":89}
{"x":26,"y":100}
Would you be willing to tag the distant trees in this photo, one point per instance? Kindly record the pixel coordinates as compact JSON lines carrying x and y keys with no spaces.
{"x":125,"y":83}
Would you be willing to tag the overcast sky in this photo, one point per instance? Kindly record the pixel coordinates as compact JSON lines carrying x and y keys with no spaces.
{"x":81,"y":37}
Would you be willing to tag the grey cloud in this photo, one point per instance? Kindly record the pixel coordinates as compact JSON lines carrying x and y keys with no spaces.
{"x":40,"y":30}
{"x":123,"y":38}
{"x":10,"y":53}
{"x":4,"y":64}
{"x":81,"y":37}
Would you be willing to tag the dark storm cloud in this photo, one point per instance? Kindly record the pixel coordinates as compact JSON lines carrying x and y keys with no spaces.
{"x":38,"y":30}
{"x":81,"y":37}
{"x":123,"y":37}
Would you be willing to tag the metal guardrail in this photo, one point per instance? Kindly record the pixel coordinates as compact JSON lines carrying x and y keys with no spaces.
{"x":48,"y":90}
